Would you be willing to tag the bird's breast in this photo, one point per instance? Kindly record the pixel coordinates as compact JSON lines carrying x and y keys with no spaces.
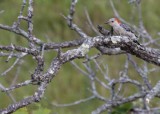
{"x":119,"y":30}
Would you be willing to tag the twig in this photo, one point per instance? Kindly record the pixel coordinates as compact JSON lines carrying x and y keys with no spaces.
{"x":90,"y":22}
{"x":17,"y":86}
{"x":74,"y":103}
{"x":70,"y":20}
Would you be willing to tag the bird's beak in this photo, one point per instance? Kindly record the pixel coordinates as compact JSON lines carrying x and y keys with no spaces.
{"x":107,"y":22}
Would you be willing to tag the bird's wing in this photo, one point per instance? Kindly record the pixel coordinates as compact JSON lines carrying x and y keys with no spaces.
{"x":126,"y":27}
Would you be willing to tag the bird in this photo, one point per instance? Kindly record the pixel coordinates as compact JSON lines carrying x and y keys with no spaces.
{"x":119,"y":28}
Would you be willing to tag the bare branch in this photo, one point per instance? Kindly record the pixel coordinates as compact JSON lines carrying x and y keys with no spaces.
{"x":117,"y":103}
{"x":74,"y":103}
{"x":70,"y":20}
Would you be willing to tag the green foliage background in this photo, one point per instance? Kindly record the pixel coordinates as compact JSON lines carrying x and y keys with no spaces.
{"x":69,"y":85}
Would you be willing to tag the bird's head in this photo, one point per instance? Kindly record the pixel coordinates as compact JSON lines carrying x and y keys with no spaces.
{"x":113,"y":21}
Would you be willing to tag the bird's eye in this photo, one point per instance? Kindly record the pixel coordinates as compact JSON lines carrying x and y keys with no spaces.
{"x":112,"y":21}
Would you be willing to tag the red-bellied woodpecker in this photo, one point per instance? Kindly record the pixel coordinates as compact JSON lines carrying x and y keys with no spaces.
{"x":121,"y":29}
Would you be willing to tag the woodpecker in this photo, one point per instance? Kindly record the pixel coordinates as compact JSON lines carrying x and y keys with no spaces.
{"x":121,"y":29}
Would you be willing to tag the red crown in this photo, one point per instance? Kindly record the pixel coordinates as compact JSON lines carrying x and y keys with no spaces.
{"x":117,"y":20}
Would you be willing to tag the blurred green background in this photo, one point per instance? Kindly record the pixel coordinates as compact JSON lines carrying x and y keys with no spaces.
{"x":69,"y":85}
